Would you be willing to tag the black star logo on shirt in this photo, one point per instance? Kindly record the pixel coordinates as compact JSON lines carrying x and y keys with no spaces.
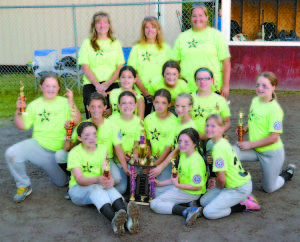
{"x":122,"y":133}
{"x":44,"y":116}
{"x":99,"y":52}
{"x":199,"y":112}
{"x":251,"y":115}
{"x":146,"y":56}
{"x":115,"y":107}
{"x":155,"y":134}
{"x":87,"y":167}
{"x":192,"y":44}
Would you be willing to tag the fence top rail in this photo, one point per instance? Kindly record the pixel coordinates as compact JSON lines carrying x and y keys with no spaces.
{"x":103,"y":4}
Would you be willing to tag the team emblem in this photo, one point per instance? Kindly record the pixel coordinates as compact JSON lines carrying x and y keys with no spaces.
{"x":277,"y":125}
{"x":197,"y":179}
{"x":219,"y":163}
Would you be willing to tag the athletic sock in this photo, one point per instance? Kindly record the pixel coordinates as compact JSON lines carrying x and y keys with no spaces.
{"x":180,"y":210}
{"x":286,"y":175}
{"x":107,"y":211}
{"x":238,"y":208}
{"x":118,"y":204}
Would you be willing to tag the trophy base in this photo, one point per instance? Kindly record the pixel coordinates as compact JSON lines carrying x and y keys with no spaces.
{"x":142,"y":191}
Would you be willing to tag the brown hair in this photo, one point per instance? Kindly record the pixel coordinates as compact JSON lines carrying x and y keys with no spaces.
{"x":163,"y":93}
{"x":171,"y":64}
{"x":97,"y":96}
{"x":97,"y":16}
{"x":272,"y":78}
{"x":159,"y":36}
{"x":50,"y":75}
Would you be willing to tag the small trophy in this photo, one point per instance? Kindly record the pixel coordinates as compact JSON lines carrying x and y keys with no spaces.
{"x":107,"y":167}
{"x":22,"y":98}
{"x":70,"y":125}
{"x":174,"y":170}
{"x":240,"y":126}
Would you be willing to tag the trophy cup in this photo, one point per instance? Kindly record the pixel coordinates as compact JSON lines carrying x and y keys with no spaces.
{"x":174,"y":169}
{"x":107,"y":167}
{"x":22,"y":99}
{"x":240,"y":127}
{"x":70,"y":126}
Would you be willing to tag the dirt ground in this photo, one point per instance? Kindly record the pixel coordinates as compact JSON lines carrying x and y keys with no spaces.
{"x":47,"y":216}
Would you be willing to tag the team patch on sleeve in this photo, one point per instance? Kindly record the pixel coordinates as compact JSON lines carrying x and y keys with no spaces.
{"x":120,"y":137}
{"x":197,"y":179}
{"x":219,"y":163}
{"x":277,"y":125}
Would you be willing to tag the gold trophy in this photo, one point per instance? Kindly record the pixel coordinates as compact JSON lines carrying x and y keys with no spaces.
{"x":70,"y":125}
{"x":174,"y":170}
{"x":22,"y":98}
{"x":240,"y":126}
{"x":107,"y":167}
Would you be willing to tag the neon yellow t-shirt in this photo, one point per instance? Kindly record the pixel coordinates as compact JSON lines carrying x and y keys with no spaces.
{"x":148,"y":61}
{"x":48,"y":120}
{"x":207,"y":48}
{"x":160,"y":133}
{"x":192,"y":171}
{"x":225,"y":160}
{"x":129,"y":131}
{"x":180,"y":127}
{"x":205,"y":106}
{"x":104,"y":62}
{"x":114,"y":99}
{"x":89,"y":163}
{"x":159,"y":83}
{"x":107,"y":134}
{"x":264,"y":119}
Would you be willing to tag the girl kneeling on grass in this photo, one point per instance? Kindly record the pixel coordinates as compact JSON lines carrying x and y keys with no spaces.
{"x":86,"y":162}
{"x":189,"y":183}
{"x":47,"y":115}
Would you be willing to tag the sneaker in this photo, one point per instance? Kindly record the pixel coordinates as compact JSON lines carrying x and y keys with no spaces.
{"x":67,"y":196}
{"x":290,"y":169}
{"x":192,"y":215}
{"x":133,"y":212}
{"x":22,"y":193}
{"x":251,"y":203}
{"x":118,"y":222}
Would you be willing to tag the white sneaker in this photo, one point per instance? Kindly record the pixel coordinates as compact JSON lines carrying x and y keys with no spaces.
{"x":118,"y":222}
{"x":133,"y":214}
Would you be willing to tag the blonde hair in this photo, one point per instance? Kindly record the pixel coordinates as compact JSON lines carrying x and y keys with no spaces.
{"x":159,"y":37}
{"x":272,"y":78}
{"x":218,"y":119}
{"x":202,"y":6}
{"x":187,"y":96}
{"x":96,"y":18}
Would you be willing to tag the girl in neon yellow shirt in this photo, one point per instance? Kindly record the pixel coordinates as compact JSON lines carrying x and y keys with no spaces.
{"x":107,"y":135}
{"x":127,"y":76}
{"x":207,"y":102}
{"x":232,"y":192}
{"x":148,"y":56}
{"x":265,"y":126}
{"x":189,"y":183}
{"x":89,"y":184}
{"x":170,"y":81}
{"x":101,"y":58}
{"x":161,"y":128}
{"x":47,"y":115}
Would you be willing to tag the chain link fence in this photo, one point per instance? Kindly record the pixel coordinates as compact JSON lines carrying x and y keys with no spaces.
{"x":265,"y":20}
{"x":30,"y":33}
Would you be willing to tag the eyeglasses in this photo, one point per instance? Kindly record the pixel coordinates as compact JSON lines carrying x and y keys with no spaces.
{"x":150,"y":18}
{"x":204,"y":79}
